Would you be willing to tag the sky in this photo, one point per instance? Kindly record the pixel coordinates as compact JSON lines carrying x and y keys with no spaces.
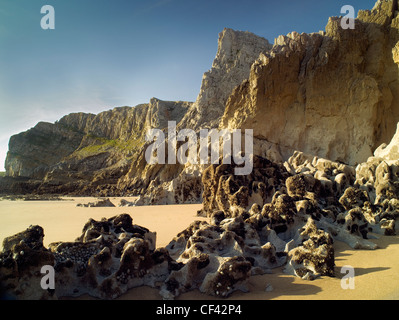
{"x":109,"y":53}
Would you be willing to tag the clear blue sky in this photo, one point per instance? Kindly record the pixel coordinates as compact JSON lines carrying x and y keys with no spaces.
{"x":108,"y":53}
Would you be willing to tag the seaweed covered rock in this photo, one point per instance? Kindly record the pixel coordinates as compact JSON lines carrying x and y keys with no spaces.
{"x":314,"y":255}
{"x":380,"y":178}
{"x":110,"y":257}
{"x":21,"y":261}
{"x":298,"y":209}
{"x":330,"y":179}
{"x":218,"y":260}
{"x":231,"y":273}
{"x":224,"y":191}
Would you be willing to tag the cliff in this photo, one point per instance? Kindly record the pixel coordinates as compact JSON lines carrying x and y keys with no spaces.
{"x":334,"y":94}
{"x":320,"y":103}
{"x":237,"y":51}
{"x":86,"y":153}
{"x":32,"y":152}
{"x":166,"y":184}
{"x":104,"y":153}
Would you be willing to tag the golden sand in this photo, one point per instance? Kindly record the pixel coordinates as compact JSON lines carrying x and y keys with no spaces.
{"x":63,"y":221}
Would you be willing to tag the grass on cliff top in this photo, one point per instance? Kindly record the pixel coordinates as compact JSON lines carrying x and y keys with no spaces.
{"x":104,"y":145}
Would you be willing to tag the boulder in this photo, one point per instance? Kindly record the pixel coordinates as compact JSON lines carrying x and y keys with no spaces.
{"x":99,"y":203}
{"x":110,"y":257}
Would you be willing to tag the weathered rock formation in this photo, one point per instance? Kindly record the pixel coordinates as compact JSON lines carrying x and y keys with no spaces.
{"x":313,"y":202}
{"x":169,"y":184}
{"x":237,"y":51}
{"x":21,"y":260}
{"x":106,"y":153}
{"x":390,"y":151}
{"x":84,"y":153}
{"x":109,"y":257}
{"x":279,"y":216}
{"x":31,"y":153}
{"x":226,"y":192}
{"x":99,"y":203}
{"x":333,"y":94}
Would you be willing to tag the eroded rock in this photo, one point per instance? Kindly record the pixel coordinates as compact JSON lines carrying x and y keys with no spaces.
{"x":99,"y":203}
{"x":110,"y":257}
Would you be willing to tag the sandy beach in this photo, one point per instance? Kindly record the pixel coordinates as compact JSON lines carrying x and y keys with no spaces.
{"x":376,"y":272}
{"x":63,"y":221}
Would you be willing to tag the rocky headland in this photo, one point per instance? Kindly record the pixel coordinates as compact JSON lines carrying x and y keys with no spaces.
{"x":332,"y":94}
{"x":323,"y":107}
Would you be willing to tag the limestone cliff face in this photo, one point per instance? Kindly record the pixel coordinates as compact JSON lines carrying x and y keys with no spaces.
{"x":87,"y":148}
{"x":123,"y":123}
{"x":126,"y":122}
{"x":32,"y":152}
{"x":107,"y":154}
{"x":167,"y":184}
{"x":333,"y":94}
{"x":390,"y":151}
{"x":236,"y":53}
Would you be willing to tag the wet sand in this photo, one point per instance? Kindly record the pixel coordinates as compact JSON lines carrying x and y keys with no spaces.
{"x":376,"y":272}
